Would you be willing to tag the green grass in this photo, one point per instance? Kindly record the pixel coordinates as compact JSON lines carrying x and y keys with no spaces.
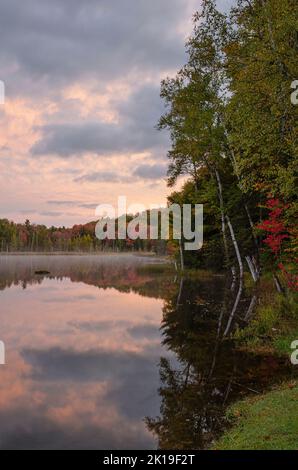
{"x":282,"y":344}
{"x":274,"y":326}
{"x":268,"y":422}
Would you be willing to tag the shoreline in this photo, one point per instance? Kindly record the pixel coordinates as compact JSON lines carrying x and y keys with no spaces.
{"x":265,"y":422}
{"x":80,"y":253}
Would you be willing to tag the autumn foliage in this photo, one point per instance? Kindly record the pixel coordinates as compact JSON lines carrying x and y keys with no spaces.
{"x":277,"y":232}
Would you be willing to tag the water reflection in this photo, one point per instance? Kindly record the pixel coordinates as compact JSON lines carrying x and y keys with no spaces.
{"x":82,"y":349}
{"x":211,"y":373}
{"x":89,"y":345}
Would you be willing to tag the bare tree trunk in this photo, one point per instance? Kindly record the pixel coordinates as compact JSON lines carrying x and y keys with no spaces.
{"x":235,"y":306}
{"x":251,"y":226}
{"x":235,"y":243}
{"x":254,"y":272}
{"x":234,"y":278}
{"x":250,"y":308}
{"x":180,"y":292}
{"x":278,"y":285}
{"x":234,"y":165}
{"x":181,"y":256}
{"x":219,"y":328}
{"x":222,"y":211}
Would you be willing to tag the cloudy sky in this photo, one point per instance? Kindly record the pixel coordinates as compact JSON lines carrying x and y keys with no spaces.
{"x":82,"y":82}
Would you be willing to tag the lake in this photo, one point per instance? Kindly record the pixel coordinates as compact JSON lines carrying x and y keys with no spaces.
{"x":111,"y":352}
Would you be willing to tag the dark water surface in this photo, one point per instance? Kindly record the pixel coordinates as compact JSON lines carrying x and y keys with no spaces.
{"x":104,"y":352}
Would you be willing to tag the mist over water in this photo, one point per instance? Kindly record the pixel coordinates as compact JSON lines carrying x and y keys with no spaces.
{"x":97,"y":347}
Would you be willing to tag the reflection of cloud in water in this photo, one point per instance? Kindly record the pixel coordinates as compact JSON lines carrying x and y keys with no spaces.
{"x":83,"y":362}
{"x":31,"y":429}
{"x":97,"y":325}
{"x":132,"y":378}
{"x":66,"y":364}
{"x":69,"y":299}
{"x":145,"y":331}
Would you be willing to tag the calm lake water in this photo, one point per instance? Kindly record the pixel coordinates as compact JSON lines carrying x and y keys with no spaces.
{"x":105,"y":352}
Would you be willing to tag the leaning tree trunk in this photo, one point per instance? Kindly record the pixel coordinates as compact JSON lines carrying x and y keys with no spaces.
{"x":227,"y":218}
{"x":278,"y":284}
{"x":222,"y":212}
{"x":234,"y":309}
{"x":180,"y":292}
{"x":236,"y":247}
{"x":232,"y":157}
{"x":238,"y":297}
{"x":240,"y":263}
{"x":181,"y":256}
{"x":253,"y":268}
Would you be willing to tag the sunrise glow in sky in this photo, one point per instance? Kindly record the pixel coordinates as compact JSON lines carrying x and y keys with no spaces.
{"x":82,"y":101}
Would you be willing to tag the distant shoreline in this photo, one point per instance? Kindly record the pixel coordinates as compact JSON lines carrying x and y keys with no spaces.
{"x":80,"y":253}
{"x":153,"y":256}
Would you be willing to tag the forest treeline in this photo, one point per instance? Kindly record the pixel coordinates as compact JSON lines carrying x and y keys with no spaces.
{"x":233,"y":129}
{"x":28,"y":237}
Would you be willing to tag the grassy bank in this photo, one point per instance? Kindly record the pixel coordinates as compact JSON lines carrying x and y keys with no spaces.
{"x":268,"y":422}
{"x":274,"y":325}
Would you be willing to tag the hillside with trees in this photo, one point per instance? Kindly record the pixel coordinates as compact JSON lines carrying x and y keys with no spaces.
{"x":234,"y":136}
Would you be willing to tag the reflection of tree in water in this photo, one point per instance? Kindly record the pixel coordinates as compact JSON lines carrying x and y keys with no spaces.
{"x":126,"y":274}
{"x":210,"y":373}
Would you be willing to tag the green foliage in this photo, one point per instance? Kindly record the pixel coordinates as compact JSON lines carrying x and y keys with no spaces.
{"x":232,"y":124}
{"x":274,"y":325}
{"x":80,"y":238}
{"x":261,"y":63}
{"x":268,"y":422}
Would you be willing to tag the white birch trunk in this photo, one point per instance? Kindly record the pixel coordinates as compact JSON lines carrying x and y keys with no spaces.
{"x":253,"y":271}
{"x":236,"y":247}
{"x":181,"y":256}
{"x":222,"y":211}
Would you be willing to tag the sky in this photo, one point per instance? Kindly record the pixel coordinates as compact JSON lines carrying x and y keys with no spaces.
{"x":82,"y":83}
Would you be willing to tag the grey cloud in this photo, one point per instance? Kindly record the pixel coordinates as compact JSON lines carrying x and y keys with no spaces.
{"x":66,"y":171}
{"x":27,"y":211}
{"x":73,"y":299}
{"x":132,"y":377}
{"x":62,"y":203}
{"x":98,"y":177}
{"x":134,"y":133}
{"x":103,"y":325}
{"x":60,"y":364}
{"x":89,"y":205}
{"x":141,"y":172}
{"x":151,"y":172}
{"x":51,"y":213}
{"x":83,"y":205}
{"x":102,"y":42}
{"x":145,"y":331}
{"x":43,"y":433}
{"x":56,"y":41}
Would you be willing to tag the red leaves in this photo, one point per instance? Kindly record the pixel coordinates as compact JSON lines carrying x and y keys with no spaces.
{"x":276,"y":232}
{"x":292,"y":279}
{"x":274,"y":226}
